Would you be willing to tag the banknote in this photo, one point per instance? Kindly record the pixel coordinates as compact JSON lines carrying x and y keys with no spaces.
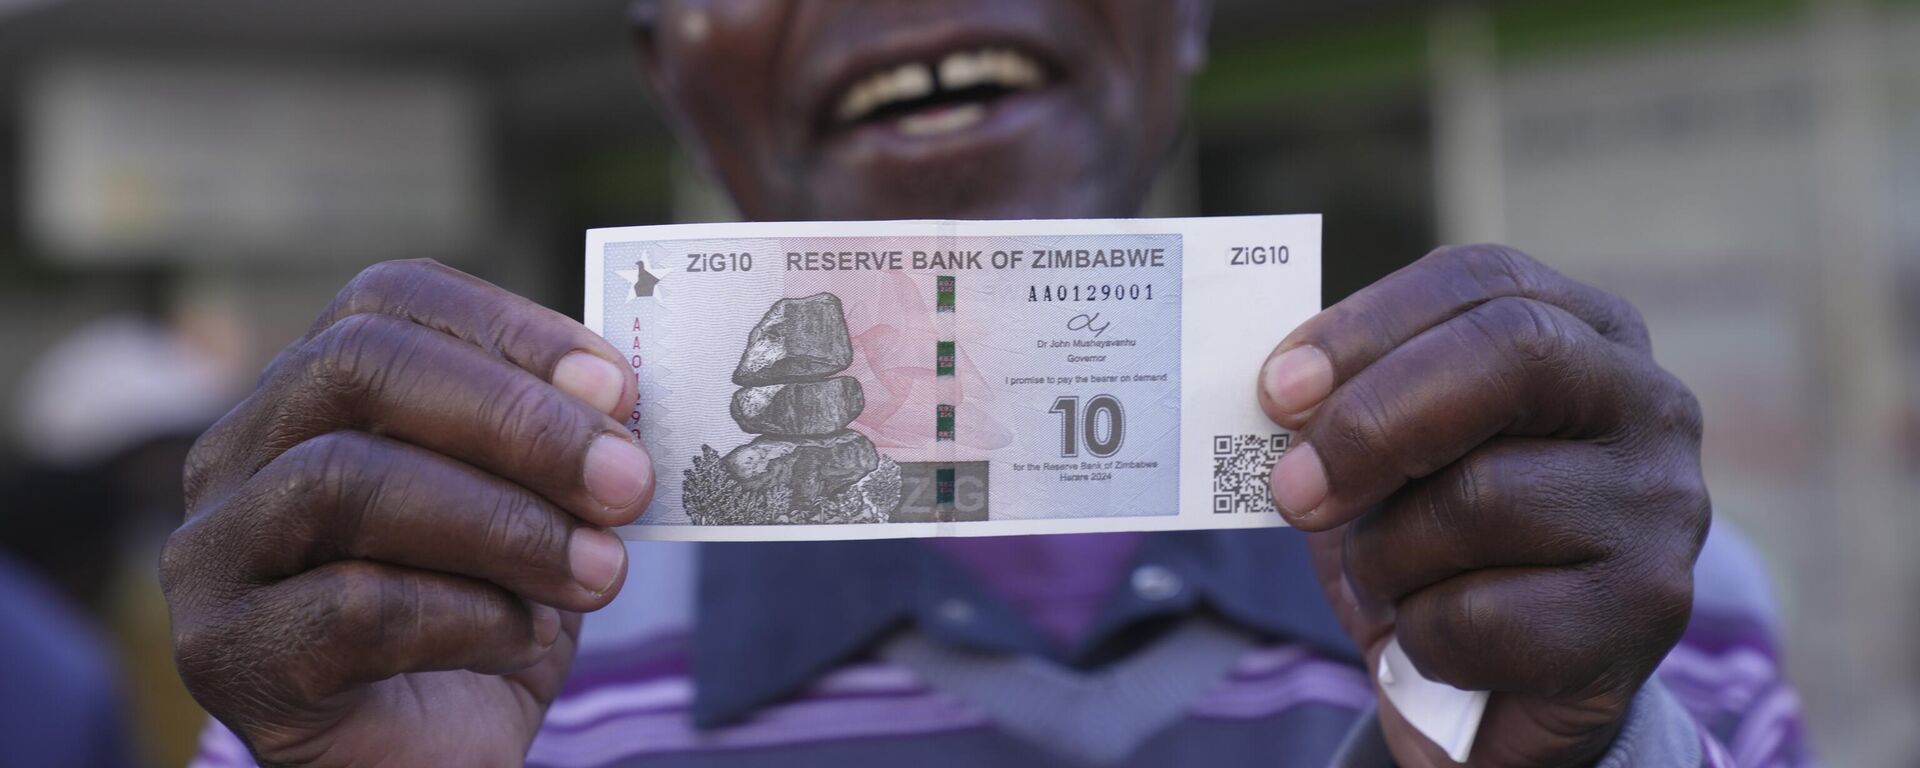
{"x":841,"y":380}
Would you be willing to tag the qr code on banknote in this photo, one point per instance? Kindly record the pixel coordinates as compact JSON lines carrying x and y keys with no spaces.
{"x":1242,"y":465}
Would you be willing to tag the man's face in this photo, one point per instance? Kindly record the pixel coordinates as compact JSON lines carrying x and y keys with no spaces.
{"x":890,"y":109}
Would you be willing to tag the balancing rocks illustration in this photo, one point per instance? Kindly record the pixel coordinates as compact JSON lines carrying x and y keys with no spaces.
{"x":804,"y":466}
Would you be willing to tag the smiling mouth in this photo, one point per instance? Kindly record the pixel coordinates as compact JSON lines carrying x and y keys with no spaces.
{"x":948,"y":94}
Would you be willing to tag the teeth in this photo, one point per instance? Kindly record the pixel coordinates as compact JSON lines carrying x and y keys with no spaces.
{"x":943,"y":120}
{"x":903,"y":83}
{"x":956,"y":71}
{"x":991,"y":67}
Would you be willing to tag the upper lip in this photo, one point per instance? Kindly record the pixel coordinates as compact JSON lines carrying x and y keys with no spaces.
{"x":833,"y":74}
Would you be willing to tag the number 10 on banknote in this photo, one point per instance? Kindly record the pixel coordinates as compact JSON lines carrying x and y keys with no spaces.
{"x":840,"y":380}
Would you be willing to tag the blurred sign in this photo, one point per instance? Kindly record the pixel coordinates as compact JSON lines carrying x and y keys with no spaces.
{"x":1689,"y":153}
{"x":16,"y":6}
{"x":1678,"y":174}
{"x":234,"y":160}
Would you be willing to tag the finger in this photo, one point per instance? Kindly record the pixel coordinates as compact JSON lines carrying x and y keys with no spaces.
{"x":1521,"y":730}
{"x":1403,"y":737}
{"x":1559,"y":633}
{"x":387,"y":376}
{"x":356,"y":622}
{"x":1342,"y":341}
{"x":355,"y":496}
{"x":1511,"y":502}
{"x":543,"y":342}
{"x":1513,"y":733}
{"x":545,"y":677}
{"x":1324,"y":549}
{"x":1509,"y":366}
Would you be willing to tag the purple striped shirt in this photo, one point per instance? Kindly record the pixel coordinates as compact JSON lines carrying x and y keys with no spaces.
{"x":1260,"y":691}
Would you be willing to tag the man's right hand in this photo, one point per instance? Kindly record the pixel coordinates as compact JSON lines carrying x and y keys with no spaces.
{"x":388,"y":545}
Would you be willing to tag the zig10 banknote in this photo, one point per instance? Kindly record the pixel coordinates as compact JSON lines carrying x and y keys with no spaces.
{"x":953,"y":378}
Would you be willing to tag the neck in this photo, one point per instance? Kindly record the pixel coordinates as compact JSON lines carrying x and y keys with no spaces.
{"x":1059,"y":583}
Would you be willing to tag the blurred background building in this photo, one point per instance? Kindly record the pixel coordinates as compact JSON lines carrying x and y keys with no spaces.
{"x":183,"y":185}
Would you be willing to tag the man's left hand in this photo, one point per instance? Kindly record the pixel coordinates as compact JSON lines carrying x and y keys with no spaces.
{"x":1492,"y":467}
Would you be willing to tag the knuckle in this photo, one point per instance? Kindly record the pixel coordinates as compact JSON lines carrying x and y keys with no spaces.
{"x":1679,"y":507}
{"x":363,"y":294}
{"x":317,"y":473}
{"x":1679,"y":412}
{"x":199,"y":655}
{"x":1625,"y":636}
{"x":516,"y":327}
{"x":1669,"y":604}
{"x":1473,"y":490}
{"x":519,"y":531}
{"x":1680,"y":494}
{"x":370,"y":282}
{"x":1363,"y":424}
{"x":1480,"y":617}
{"x":1698,"y":513}
{"x":1528,"y":331}
{"x":490,"y":610}
{"x":1459,"y":631}
{"x":322,"y":491}
{"x":1651,"y":613}
{"x":1481,"y":484}
{"x":1360,"y":424}
{"x":204,"y":461}
{"x":1628,"y":324}
{"x":544,"y":426}
{"x":355,"y":605}
{"x":380,"y":285}
{"x":214,"y":658}
{"x":274,"y":369}
{"x":1365,"y":315}
{"x":1670,"y":607}
{"x":1497,"y":269}
{"x":351,"y":345}
{"x":179,"y":559}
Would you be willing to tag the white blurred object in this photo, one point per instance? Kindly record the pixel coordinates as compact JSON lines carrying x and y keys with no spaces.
{"x":1447,"y":715}
{"x":114,"y":384}
{"x":250,"y":160}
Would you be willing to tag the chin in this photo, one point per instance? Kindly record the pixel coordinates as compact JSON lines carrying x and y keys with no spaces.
{"x":1039,"y":200}
{"x":1049,"y":179}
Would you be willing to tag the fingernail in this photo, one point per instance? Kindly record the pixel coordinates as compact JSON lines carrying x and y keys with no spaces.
{"x":597,"y":558}
{"x":1298,"y":379}
{"x":1347,"y":593}
{"x":1299,"y":483}
{"x":546,"y":624}
{"x":590,"y":379}
{"x":617,"y":471}
{"x":1367,"y":610}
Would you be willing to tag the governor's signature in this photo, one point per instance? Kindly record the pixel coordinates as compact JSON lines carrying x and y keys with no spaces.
{"x":1091,"y":323}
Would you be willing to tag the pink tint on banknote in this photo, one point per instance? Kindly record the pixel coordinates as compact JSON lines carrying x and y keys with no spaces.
{"x":891,"y":317}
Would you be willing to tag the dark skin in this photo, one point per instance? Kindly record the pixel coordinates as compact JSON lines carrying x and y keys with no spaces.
{"x":389,"y":546}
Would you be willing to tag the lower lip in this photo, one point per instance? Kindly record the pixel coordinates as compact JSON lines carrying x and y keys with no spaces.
{"x":942,"y":121}
{"x":931,"y":135}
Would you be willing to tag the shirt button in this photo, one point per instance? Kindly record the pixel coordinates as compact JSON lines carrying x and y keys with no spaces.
{"x":1155,"y":583}
{"x":955,"y":611}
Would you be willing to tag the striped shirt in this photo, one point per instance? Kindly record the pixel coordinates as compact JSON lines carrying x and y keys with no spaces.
{"x":1191,"y":648}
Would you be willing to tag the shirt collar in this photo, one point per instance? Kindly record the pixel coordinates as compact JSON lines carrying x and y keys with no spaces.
{"x":774,"y":616}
